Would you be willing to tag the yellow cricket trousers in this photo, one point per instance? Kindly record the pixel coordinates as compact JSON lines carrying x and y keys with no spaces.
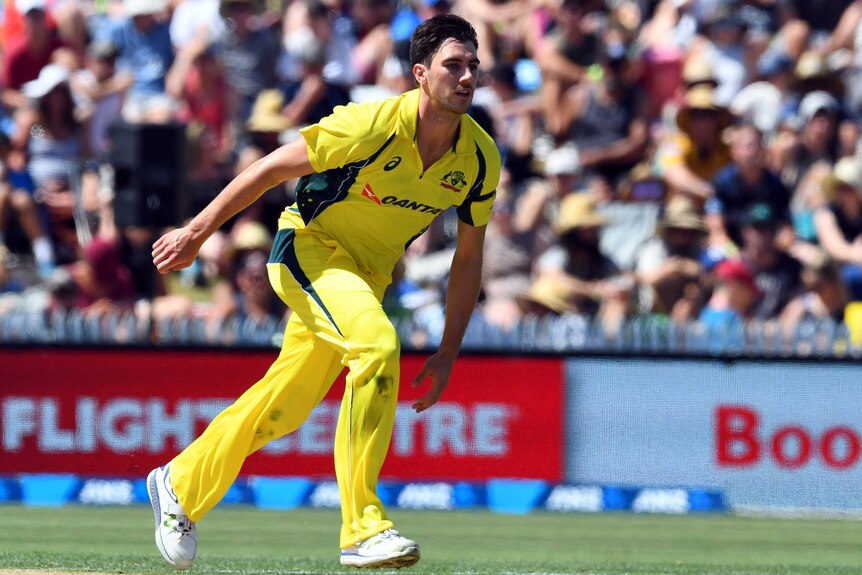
{"x":337,"y":320}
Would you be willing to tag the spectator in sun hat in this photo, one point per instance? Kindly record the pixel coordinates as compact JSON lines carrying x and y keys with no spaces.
{"x":144,"y":49}
{"x":839,"y":222}
{"x":668,"y":266}
{"x":776,"y":273}
{"x":25,"y":58}
{"x":545,"y":297}
{"x":576,"y":260}
{"x":690,"y":159}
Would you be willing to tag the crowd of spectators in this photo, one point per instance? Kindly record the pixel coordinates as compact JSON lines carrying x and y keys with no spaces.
{"x":683,"y":160}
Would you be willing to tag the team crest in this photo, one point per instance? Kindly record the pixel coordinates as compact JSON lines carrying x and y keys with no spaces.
{"x":454,"y":181}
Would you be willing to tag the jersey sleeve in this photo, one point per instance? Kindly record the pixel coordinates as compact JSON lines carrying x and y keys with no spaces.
{"x":348,"y":134}
{"x":476,"y":208}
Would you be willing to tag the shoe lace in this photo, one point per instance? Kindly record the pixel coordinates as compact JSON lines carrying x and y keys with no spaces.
{"x":389,"y":534}
{"x":179,"y":523}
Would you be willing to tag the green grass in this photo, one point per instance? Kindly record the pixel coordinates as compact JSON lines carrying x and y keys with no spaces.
{"x":246,"y":540}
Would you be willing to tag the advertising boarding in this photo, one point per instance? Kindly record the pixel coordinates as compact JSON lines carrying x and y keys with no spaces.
{"x":772,"y":435}
{"x":122,"y":412}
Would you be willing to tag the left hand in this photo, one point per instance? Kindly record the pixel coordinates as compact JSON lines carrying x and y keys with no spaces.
{"x":437,"y":368}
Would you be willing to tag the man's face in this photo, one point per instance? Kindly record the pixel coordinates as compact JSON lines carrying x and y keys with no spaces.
{"x":452,"y":76}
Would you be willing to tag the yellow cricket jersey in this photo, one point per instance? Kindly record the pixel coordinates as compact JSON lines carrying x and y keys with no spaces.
{"x":369,"y":192}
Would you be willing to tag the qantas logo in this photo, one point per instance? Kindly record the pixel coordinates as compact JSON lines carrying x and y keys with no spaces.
{"x":369,"y":193}
{"x":410,"y":205}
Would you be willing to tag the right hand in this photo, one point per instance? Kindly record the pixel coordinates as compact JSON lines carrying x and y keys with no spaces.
{"x":175,"y":250}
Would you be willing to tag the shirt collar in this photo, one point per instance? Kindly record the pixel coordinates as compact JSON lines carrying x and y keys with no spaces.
{"x":408,"y":116}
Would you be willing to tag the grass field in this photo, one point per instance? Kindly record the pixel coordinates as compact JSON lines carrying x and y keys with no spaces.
{"x":246,"y":540}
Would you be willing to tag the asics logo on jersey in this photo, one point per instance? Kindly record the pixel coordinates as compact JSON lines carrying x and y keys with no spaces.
{"x":369,"y":193}
{"x":392,"y":164}
{"x":454,"y":181}
{"x":410,"y":205}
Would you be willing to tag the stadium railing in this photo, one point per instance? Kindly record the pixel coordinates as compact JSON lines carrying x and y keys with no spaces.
{"x":565,"y":334}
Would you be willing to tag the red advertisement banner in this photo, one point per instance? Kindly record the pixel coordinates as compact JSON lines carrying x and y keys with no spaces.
{"x":123,"y":412}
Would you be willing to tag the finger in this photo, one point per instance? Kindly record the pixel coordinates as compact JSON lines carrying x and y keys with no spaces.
{"x":420,"y":377}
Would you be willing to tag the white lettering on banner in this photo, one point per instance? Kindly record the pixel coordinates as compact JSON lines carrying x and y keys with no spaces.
{"x":482,"y":431}
{"x":162,"y":425}
{"x":326,"y":494}
{"x":131,"y":436}
{"x":661,"y":501}
{"x":587,"y":499}
{"x":122,"y":425}
{"x":107,"y":492}
{"x":125,"y":425}
{"x":85,"y":416}
{"x":426,"y":496}
{"x":52,"y":438}
{"x":19,"y":421}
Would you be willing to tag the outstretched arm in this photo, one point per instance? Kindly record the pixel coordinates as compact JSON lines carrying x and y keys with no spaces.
{"x":465,"y":279}
{"x":178,"y":248}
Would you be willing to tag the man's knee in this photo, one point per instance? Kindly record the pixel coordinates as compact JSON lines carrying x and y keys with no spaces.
{"x":387,"y":345}
{"x":21,"y":201}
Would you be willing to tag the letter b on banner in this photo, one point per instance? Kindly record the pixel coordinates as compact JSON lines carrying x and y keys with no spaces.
{"x":736,"y":440}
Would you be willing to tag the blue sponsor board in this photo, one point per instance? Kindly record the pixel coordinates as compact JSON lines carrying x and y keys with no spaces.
{"x":513,"y":496}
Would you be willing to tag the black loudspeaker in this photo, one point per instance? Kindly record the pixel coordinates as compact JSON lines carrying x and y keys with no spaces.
{"x":148,"y":162}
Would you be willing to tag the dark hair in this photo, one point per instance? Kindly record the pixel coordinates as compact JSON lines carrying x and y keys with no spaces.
{"x":430,"y":35}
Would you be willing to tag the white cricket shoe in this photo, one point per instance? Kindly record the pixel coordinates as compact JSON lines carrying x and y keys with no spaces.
{"x":385,"y":550}
{"x":175,"y":532}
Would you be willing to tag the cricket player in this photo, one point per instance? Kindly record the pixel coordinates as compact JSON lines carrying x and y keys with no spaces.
{"x":372,"y":178}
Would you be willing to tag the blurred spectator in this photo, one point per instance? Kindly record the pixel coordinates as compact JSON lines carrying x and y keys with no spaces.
{"x":669,"y":266}
{"x":25,"y":59}
{"x":193,"y":19}
{"x":690,"y":159}
{"x":56,"y":144}
{"x":564,"y":57}
{"x":310,"y":20}
{"x":245,"y":292}
{"x":767,"y":102}
{"x":143,"y":42}
{"x":538,"y":207}
{"x":733,"y":296}
{"x":103,"y":283}
{"x":546,"y":297}
{"x":101,"y":89}
{"x":312,"y":97}
{"x":824,"y":297}
{"x":508,"y":263}
{"x":816,"y":141}
{"x":722,"y":45}
{"x":598,"y":288}
{"x":839,"y":222}
{"x":808,"y":23}
{"x":743,"y":183}
{"x":198,"y":83}
{"x":248,"y":54}
{"x":776,"y":273}
{"x":606,"y":120}
{"x":373,"y":43}
{"x":16,"y":196}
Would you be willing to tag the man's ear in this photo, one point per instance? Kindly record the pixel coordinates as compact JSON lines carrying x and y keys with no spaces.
{"x":420,"y":73}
